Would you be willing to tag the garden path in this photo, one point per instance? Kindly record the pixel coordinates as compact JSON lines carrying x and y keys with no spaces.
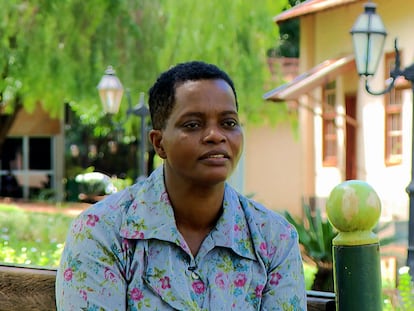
{"x":68,"y":208}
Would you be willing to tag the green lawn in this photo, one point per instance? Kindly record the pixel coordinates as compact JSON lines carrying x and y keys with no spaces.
{"x":32,"y":238}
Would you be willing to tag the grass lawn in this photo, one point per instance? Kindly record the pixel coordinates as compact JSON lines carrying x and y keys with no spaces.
{"x":32,"y":238}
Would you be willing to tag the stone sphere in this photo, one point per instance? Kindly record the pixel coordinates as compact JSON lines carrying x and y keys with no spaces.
{"x":353,"y":206}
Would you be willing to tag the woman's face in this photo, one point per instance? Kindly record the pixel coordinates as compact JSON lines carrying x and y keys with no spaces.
{"x":202,"y":141}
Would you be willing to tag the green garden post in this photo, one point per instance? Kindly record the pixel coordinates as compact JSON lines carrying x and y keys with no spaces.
{"x":353,"y":208}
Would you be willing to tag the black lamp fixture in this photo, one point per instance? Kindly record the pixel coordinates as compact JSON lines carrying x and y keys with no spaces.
{"x":111,"y":91}
{"x":369,"y":35}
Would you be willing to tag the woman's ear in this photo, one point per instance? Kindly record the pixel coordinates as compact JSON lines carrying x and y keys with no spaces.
{"x":155,"y":137}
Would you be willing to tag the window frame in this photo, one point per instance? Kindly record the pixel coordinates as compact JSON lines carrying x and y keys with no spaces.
{"x":393,"y":126}
{"x":329,"y":132}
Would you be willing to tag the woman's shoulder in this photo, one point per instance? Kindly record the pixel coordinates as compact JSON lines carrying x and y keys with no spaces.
{"x":267,"y":221}
{"x":112,"y":207}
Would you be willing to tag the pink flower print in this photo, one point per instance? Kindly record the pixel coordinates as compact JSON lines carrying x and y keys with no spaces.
{"x":124,"y":233}
{"x":68,"y":274}
{"x":271,"y":252}
{"x":134,"y":206}
{"x":184,"y":246}
{"x":221,"y":280}
{"x":240,"y":280}
{"x":274,"y":278}
{"x":83,"y":294}
{"x":198,"y":287}
{"x":113,"y":206}
{"x":165,"y":282}
{"x":164,"y":197}
{"x":92,"y":220}
{"x":283,"y":236}
{"x":77,"y":226}
{"x":258,"y":290}
{"x":236,"y":228}
{"x":125,"y":245}
{"x":136,"y":294}
{"x":137,"y":235}
{"x":109,"y":275}
{"x":263,"y":249}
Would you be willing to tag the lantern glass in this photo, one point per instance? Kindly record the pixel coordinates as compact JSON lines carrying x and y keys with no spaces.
{"x":368,"y":34}
{"x":111,"y":91}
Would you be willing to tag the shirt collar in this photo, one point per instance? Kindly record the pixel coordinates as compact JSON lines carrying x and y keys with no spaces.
{"x":150,"y":216}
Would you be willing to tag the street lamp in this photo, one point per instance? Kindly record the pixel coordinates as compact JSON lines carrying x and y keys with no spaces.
{"x":369,"y":35}
{"x":111,"y":91}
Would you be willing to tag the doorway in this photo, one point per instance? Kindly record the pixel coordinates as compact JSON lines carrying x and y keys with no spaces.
{"x":350,"y":140}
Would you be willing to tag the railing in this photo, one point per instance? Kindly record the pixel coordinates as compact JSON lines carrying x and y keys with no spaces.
{"x":354,"y":208}
{"x":23,"y":288}
{"x":26,"y":288}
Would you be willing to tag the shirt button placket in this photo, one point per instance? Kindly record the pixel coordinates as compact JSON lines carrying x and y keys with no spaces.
{"x":194,"y":275}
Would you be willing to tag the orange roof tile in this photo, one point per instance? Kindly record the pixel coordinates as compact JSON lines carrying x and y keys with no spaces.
{"x":316,"y":76}
{"x":310,"y":7}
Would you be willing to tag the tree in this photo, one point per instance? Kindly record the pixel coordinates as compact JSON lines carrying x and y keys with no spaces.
{"x":288,"y":44}
{"x":54,"y":52}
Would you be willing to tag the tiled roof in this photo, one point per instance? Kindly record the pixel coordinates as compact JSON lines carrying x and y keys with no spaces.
{"x":304,"y":83}
{"x":310,"y":7}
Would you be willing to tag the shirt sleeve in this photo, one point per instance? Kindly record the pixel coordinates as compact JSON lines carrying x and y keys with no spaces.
{"x":92,"y":271}
{"x":285,"y":287}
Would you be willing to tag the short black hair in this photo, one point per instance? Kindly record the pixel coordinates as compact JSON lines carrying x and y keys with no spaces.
{"x":162,"y":93}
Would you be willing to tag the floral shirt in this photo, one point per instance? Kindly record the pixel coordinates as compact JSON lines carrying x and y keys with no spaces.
{"x":126,"y":253}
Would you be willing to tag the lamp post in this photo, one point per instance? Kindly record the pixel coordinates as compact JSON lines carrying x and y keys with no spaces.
{"x":369,"y":35}
{"x":111,"y":90}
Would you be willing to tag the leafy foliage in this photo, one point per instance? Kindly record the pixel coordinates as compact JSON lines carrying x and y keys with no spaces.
{"x":55,"y":51}
{"x":406,"y":290}
{"x":401,"y":298}
{"x":315,"y":235}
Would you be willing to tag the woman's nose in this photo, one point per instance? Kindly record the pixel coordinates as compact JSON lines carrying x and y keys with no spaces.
{"x":214,"y":135}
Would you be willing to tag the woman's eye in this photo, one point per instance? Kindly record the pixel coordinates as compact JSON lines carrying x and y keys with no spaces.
{"x":191,"y":125}
{"x":230,"y":123}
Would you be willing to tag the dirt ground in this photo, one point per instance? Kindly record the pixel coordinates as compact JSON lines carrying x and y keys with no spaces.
{"x":69,"y":208}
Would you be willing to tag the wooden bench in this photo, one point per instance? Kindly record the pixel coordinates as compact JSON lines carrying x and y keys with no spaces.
{"x":28,"y":288}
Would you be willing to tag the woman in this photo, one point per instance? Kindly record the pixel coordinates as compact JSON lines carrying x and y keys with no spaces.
{"x":183,"y":239}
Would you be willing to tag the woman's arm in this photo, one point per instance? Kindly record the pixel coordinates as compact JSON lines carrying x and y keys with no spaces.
{"x":92,"y":272}
{"x":285,"y":288}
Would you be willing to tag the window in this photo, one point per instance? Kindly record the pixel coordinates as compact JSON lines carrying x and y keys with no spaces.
{"x":40,"y":153}
{"x":30,"y":161}
{"x":393,"y":118}
{"x":329,"y":136}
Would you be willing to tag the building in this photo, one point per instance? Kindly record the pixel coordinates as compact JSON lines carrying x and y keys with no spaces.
{"x":344,"y":132}
{"x":34,"y":154}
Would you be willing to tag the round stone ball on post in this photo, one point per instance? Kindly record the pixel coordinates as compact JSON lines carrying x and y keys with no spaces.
{"x":354,"y":208}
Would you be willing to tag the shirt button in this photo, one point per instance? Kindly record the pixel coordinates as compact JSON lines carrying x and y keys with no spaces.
{"x":195,"y":276}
